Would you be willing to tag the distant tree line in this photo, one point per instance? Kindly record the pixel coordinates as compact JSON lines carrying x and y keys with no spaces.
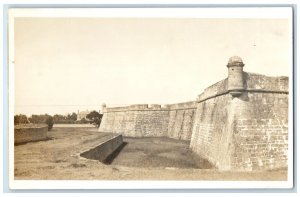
{"x":61,"y":119}
{"x":34,"y":119}
{"x":93,"y":118}
{"x":20,"y":119}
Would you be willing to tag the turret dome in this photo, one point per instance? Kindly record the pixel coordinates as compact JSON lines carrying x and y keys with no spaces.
{"x":235,"y":61}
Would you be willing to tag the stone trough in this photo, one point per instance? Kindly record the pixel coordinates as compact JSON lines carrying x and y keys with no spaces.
{"x":105,"y":149}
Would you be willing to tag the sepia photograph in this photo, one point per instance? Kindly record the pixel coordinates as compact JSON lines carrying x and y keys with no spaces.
{"x":150,"y":98}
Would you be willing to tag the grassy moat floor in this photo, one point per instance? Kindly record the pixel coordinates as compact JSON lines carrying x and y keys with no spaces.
{"x":140,"y":159}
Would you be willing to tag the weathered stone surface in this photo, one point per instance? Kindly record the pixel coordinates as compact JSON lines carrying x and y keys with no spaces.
{"x":103,"y":150}
{"x":181,"y":124}
{"x":211,"y":134}
{"x":175,"y":121}
{"x":260,"y":134}
{"x":249,"y":132}
{"x":255,"y":81}
{"x":30,"y":134}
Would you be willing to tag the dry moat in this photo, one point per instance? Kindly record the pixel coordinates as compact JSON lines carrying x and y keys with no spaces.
{"x":157,"y":153}
{"x":137,"y":158}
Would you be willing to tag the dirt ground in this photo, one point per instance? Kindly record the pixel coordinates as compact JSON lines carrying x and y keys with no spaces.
{"x":140,"y":159}
{"x":158,"y":153}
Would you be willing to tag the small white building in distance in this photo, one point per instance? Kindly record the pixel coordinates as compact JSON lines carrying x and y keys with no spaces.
{"x":82,"y":114}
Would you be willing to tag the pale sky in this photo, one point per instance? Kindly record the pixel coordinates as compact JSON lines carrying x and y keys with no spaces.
{"x":67,"y":64}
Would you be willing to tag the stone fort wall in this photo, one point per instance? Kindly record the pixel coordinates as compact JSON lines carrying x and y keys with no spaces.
{"x":239,"y":123}
{"x":174,"y":121}
{"x":248,"y":132}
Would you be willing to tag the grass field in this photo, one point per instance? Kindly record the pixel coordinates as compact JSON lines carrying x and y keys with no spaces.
{"x":141,"y":158}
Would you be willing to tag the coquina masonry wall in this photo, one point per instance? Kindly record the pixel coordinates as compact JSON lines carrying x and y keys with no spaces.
{"x":181,"y":120}
{"x":174,"y":121}
{"x":248,"y":132}
{"x":239,"y":123}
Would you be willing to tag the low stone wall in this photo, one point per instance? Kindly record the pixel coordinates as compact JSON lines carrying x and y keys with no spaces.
{"x":103,"y":150}
{"x":30,"y":134}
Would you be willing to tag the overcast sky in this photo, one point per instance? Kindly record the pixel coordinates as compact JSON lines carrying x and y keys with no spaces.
{"x":68,"y":64}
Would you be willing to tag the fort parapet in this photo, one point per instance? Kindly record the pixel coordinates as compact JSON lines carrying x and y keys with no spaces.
{"x":239,"y":123}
